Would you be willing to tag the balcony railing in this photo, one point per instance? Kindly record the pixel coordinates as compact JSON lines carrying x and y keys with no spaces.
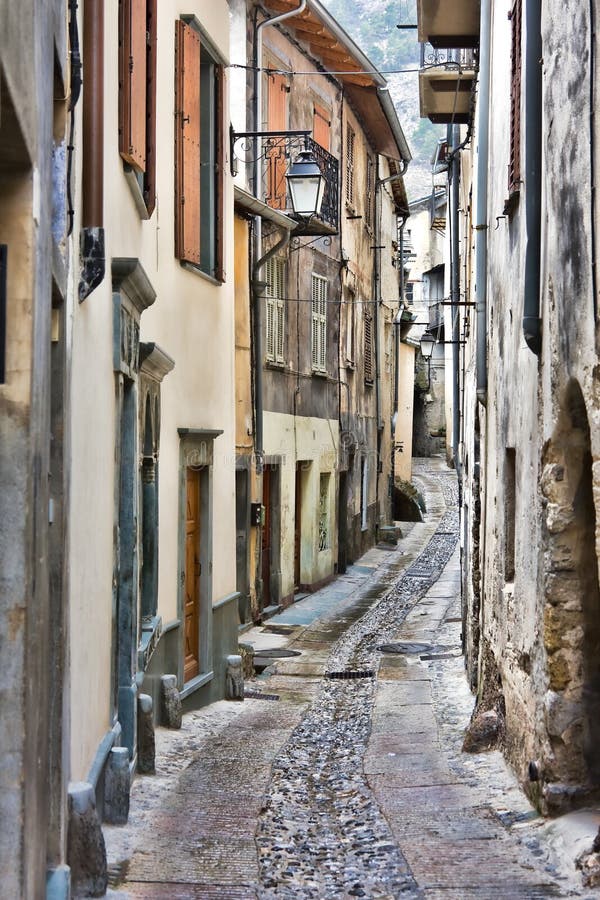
{"x":446,"y":83}
{"x":451,"y":59}
{"x":278,"y":158}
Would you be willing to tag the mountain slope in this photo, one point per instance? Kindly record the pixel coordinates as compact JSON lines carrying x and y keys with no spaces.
{"x":395,"y":52}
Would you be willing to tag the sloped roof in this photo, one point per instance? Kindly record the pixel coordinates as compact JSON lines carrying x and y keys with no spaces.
{"x":325,"y":40}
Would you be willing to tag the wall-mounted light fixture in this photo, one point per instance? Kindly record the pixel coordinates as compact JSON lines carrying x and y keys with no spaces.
{"x":427,"y":342}
{"x":306,"y":184}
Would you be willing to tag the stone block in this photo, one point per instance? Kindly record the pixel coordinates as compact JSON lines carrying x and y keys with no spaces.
{"x":234,"y":678}
{"x":562,"y":628}
{"x":171,"y":702}
{"x":117,"y":785}
{"x":558,"y":517}
{"x":86,"y":852}
{"x":559,"y":671}
{"x":247,"y":654}
{"x":564,"y":589}
{"x":146,"y":743}
{"x":560,"y":713}
{"x":483,"y":732}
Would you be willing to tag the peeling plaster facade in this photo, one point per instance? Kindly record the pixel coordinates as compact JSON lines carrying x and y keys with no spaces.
{"x":530,"y":470}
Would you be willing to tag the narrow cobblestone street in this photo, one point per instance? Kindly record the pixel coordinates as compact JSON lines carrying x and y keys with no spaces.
{"x":341,"y":774}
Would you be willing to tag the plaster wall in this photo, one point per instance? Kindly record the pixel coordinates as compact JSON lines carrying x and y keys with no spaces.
{"x":192,"y":320}
{"x":527,"y":415}
{"x":404,"y":423}
{"x":314,"y":442}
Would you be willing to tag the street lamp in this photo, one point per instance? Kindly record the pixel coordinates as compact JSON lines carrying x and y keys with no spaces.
{"x":427,"y":344}
{"x":306,"y":184}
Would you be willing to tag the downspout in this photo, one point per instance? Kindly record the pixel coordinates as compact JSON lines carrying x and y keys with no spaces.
{"x":92,"y":249}
{"x":532,"y":323}
{"x":379,"y":183}
{"x":258,"y":287}
{"x":482,"y":130}
{"x":454,"y":141}
{"x":404,"y":220}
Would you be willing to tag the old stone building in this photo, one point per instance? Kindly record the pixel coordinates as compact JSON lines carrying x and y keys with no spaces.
{"x":36,"y":90}
{"x":315,"y":340}
{"x":529,"y":412}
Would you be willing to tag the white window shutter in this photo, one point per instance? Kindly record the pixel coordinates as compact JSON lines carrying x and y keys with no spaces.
{"x":279,"y":331}
{"x":275,"y":309}
{"x":270,"y":342}
{"x":319,"y":323}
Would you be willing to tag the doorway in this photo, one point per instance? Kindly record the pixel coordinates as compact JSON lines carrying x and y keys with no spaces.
{"x":192,"y":576}
{"x":270,"y":532}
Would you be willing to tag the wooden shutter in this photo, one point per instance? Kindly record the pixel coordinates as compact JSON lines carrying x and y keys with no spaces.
{"x":514,"y":166}
{"x":150,"y":175}
{"x":132,"y":82}
{"x":369,"y":199}
{"x":187,"y":143}
{"x":321,"y":127}
{"x":275,"y":309}
{"x":276,"y":160}
{"x":319,"y":323}
{"x":349,"y":166}
{"x":368,"y":347}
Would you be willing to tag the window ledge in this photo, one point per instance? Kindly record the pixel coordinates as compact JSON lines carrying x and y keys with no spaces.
{"x":319,"y":373}
{"x":271,"y":364}
{"x":190,"y":267}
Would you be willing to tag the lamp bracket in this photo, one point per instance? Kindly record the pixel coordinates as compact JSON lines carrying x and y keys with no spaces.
{"x":254,"y":145}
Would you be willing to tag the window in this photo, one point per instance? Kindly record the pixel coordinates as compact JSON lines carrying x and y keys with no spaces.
{"x":321,"y":126}
{"x":514,"y":165}
{"x":370,"y":193}
{"x":137,"y":95}
{"x":319,"y":324}
{"x":324,"y":543}
{"x":368,"y":344}
{"x":275,"y":303}
{"x":349,"y":166}
{"x":277,"y":96}
{"x":199,"y":156}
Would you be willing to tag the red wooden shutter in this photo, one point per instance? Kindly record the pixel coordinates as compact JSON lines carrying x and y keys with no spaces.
{"x":187,"y":143}
{"x":321,"y":126}
{"x":150,"y":176}
{"x":514,"y":166}
{"x":276,"y":161}
{"x":132,"y":77}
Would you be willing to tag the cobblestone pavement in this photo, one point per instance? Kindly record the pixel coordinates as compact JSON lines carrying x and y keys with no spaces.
{"x":349,"y":781}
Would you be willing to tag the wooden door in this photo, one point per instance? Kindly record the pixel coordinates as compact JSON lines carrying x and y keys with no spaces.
{"x":192,"y":576}
{"x":266,"y":538}
{"x":297,"y":526}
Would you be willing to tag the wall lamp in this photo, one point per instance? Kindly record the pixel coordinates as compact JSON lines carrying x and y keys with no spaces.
{"x":306,"y":184}
{"x":427,"y":342}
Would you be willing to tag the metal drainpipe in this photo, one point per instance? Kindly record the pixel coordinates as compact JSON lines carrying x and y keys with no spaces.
{"x":482,"y":130}
{"x":532,"y":323}
{"x":258,"y":295}
{"x":454,"y":140}
{"x":379,"y":183}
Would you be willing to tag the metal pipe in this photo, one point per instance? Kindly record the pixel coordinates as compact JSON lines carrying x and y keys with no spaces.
{"x":260,"y":261}
{"x":482,"y":130}
{"x":532,"y":323}
{"x":92,"y":215}
{"x":454,"y":141}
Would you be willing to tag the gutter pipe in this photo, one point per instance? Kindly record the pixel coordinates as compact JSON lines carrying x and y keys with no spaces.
{"x":482,"y":130}
{"x":532,"y":323}
{"x":258,"y":287}
{"x":454,"y":141}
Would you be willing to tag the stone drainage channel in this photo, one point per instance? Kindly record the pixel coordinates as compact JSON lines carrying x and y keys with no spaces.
{"x":321,"y":833}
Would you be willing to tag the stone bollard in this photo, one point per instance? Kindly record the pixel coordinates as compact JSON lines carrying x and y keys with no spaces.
{"x":171,"y":702}
{"x":117,"y":785}
{"x":86,"y":852}
{"x":146,"y":744}
{"x":247,"y":653}
{"x":234,"y":678}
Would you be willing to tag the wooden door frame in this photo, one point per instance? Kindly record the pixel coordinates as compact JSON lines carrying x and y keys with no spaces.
{"x":196,"y":451}
{"x":275,"y":462}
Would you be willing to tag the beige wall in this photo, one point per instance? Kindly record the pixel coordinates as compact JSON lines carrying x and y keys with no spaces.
{"x":316,"y":441}
{"x":193,"y":321}
{"x":404,"y":422}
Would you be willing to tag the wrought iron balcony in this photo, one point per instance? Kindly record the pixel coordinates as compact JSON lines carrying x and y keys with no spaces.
{"x":446,"y":84}
{"x":277,"y":157}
